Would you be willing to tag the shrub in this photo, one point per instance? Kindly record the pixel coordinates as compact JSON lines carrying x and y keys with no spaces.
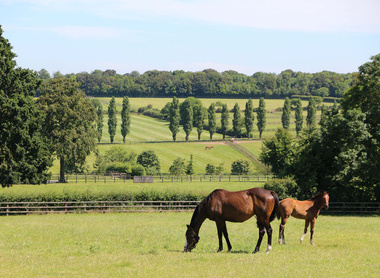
{"x":285,"y":188}
{"x":138,"y":170}
{"x":240,"y":167}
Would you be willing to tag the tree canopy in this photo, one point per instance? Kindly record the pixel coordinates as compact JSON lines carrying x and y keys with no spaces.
{"x":70,"y":122}
{"x":210,"y":83}
{"x":24,"y":152}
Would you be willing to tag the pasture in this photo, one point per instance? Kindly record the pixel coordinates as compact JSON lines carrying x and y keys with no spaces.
{"x":153,"y":134}
{"x":151,"y":245}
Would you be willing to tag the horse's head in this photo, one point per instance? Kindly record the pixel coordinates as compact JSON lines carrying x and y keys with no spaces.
{"x":326,"y":198}
{"x":191,"y":239}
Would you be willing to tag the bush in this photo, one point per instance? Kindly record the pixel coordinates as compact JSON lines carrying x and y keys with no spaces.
{"x":138,"y":170}
{"x":285,"y":188}
{"x":119,"y":167}
{"x":240,"y":167}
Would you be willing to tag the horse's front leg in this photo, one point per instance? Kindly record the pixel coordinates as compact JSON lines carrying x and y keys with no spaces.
{"x":261,"y":235}
{"x":222,"y":230}
{"x":305,"y":230}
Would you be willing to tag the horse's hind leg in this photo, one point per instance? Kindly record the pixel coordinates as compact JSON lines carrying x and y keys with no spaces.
{"x":261,"y":235}
{"x":305,"y":230}
{"x":269,"y":233}
{"x":312,"y":231}
{"x":281,"y":236}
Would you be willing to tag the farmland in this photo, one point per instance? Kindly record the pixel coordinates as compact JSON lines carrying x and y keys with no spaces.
{"x":151,"y":244}
{"x":154,"y":134}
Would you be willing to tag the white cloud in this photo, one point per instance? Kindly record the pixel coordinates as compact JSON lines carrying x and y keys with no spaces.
{"x":293,"y":15}
{"x":76,"y":32}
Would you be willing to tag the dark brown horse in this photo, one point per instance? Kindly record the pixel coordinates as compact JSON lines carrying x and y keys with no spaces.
{"x":221,"y":206}
{"x":308,"y":210}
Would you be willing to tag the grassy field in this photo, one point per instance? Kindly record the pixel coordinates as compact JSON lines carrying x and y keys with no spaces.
{"x":151,"y":244}
{"x":153,"y":134}
{"x":120,"y":187}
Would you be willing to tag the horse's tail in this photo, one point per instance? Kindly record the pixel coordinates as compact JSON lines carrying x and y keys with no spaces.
{"x":276,"y":209}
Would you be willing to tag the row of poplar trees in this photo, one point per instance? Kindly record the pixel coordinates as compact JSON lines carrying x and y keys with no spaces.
{"x":112,"y":119}
{"x":191,"y":114}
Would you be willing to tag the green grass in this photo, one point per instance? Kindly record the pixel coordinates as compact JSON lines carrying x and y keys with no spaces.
{"x":151,"y":244}
{"x":153,"y":134}
{"x":80,"y":189}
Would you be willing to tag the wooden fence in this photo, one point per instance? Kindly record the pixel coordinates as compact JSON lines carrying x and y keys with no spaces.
{"x":17,"y":208}
{"x":119,"y":177}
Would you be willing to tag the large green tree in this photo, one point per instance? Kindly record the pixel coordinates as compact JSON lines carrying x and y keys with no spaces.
{"x":199,"y":119}
{"x":24,"y":152}
{"x":278,"y":153}
{"x":249,"y":117}
{"x":285,"y":118}
{"x":261,"y":116}
{"x":236,"y":124}
{"x":125,"y":118}
{"x":365,"y":95}
{"x":298,"y":116}
{"x":150,"y":161}
{"x":187,"y":118}
{"x":70,"y":122}
{"x":99,"y":112}
{"x":112,"y":119}
{"x":211,"y":120}
{"x":224,"y":120}
{"x":174,"y":118}
{"x":311,"y":118}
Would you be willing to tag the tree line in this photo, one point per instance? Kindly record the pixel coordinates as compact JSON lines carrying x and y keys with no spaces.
{"x":341,"y":155}
{"x":209,"y":83}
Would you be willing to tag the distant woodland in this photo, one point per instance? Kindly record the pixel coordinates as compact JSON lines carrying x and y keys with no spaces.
{"x":210,"y":83}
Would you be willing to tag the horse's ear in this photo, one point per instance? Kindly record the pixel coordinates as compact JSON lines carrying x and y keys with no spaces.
{"x":188,"y":226}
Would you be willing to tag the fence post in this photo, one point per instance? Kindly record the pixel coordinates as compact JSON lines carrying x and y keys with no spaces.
{"x":7,"y":209}
{"x":65,"y":208}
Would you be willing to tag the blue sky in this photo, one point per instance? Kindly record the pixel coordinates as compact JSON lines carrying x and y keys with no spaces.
{"x":192,"y":35}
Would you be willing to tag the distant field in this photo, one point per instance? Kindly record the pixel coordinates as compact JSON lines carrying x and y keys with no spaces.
{"x":153,"y":134}
{"x":151,"y":245}
{"x":168,"y":152}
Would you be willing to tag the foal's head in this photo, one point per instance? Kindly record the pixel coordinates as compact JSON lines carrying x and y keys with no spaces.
{"x":191,"y":239}
{"x":325,"y":199}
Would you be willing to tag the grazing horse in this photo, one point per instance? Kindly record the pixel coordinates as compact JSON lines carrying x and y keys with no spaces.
{"x":308,"y":210}
{"x":209,"y":147}
{"x":221,"y":206}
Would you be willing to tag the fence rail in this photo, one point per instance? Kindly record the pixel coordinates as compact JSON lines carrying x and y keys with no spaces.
{"x":17,"y":208}
{"x":119,"y":177}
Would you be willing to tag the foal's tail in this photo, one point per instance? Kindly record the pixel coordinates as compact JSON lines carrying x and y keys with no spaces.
{"x":276,"y":209}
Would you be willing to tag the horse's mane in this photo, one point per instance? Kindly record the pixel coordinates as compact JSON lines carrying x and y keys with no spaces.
{"x":317,"y":196}
{"x":199,"y":207}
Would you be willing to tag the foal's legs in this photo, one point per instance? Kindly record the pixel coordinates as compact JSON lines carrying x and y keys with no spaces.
{"x":312,"y":224}
{"x":305,"y":230}
{"x":281,"y":236}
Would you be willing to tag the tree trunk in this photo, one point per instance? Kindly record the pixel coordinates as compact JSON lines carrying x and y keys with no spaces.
{"x":62,"y":170}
